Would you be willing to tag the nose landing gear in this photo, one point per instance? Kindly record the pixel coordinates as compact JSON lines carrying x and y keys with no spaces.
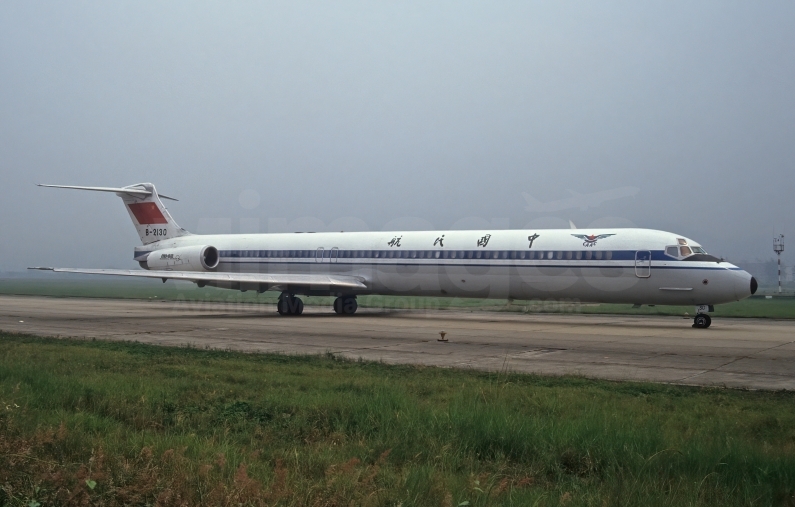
{"x":702,"y":321}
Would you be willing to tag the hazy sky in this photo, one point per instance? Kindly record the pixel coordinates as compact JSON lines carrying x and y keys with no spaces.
{"x":340,"y":115}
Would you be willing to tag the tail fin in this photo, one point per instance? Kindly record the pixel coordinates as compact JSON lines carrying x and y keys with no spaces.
{"x":150,"y":218}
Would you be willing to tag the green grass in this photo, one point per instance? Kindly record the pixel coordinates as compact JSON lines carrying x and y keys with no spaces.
{"x":104,"y":423}
{"x":780,"y":308}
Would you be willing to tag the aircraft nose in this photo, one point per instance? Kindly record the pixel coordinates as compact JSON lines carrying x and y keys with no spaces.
{"x":745,"y":285}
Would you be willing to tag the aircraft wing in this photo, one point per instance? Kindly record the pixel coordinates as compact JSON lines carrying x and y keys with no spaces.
{"x":264,"y":280}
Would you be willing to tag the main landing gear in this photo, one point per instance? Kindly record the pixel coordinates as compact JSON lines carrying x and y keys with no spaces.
{"x":345,"y":305}
{"x":289,"y":305}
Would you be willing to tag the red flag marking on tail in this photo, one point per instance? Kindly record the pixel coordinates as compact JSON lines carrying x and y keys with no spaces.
{"x":147,"y":213}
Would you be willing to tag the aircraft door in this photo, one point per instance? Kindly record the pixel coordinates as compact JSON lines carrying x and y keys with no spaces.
{"x":643,"y":264}
{"x":334,"y":254}
{"x":319,"y":255}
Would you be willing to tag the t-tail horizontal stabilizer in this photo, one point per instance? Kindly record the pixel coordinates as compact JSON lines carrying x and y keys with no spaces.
{"x":150,"y":218}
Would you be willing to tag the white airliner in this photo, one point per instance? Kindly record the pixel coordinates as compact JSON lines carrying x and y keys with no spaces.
{"x":635,"y":266}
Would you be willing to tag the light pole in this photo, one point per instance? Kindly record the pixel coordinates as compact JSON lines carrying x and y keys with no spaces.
{"x":778,"y":247}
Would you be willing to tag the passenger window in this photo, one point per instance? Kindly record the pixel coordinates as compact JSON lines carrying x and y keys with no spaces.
{"x":568,"y":256}
{"x":437,"y":254}
{"x":597,"y":255}
{"x":685,"y":251}
{"x":559,"y":255}
{"x":579,"y":255}
{"x":550,"y":254}
{"x":608,"y":255}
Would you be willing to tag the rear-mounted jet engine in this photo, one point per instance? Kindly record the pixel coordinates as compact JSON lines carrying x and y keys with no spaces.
{"x":187,"y":258}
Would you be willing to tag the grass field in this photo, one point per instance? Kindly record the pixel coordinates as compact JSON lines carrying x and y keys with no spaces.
{"x":102,"y":423}
{"x":780,"y":308}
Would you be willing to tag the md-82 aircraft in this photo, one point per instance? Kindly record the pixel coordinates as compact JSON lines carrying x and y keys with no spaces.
{"x":634,"y":266}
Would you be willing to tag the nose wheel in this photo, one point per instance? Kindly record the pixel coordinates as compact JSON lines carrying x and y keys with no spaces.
{"x":345,"y":305}
{"x":289,"y":305}
{"x":702,"y":321}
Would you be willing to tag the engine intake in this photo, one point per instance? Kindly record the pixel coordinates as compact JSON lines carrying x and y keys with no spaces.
{"x":186,"y":258}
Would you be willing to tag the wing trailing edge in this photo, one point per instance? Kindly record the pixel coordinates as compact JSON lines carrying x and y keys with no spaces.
{"x":264,"y":280}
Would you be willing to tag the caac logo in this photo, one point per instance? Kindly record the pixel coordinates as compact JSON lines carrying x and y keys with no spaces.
{"x":591,"y":239}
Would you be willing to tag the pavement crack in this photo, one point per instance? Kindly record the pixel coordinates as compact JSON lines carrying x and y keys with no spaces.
{"x":734,"y":360}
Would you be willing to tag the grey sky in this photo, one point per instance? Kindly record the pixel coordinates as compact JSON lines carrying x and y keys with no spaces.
{"x":374,"y":115}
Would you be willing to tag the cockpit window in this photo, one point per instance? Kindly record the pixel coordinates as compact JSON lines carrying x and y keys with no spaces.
{"x":672,"y":251}
{"x":681,"y":241}
{"x":698,"y":250}
{"x":685,"y":251}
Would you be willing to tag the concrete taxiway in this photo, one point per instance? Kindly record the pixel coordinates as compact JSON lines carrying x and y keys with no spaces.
{"x":747,"y":353}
